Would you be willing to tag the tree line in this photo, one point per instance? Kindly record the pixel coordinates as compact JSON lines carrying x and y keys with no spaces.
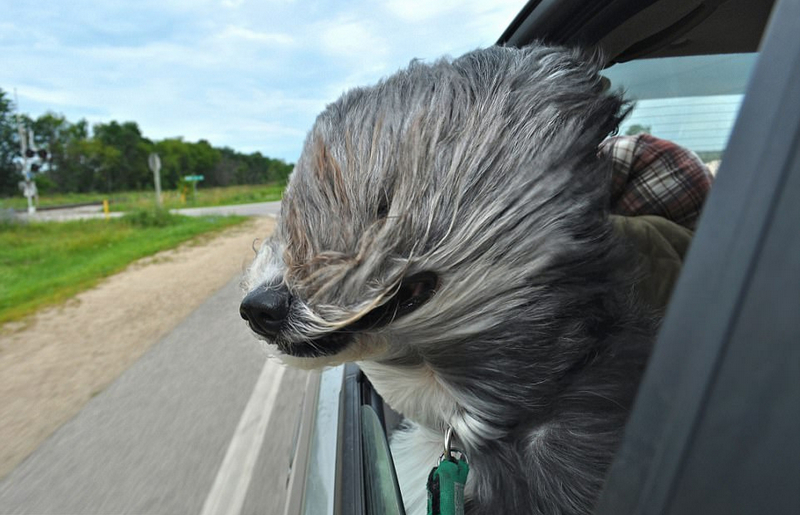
{"x":109,"y":157}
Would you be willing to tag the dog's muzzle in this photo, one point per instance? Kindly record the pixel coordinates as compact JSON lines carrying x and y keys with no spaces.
{"x":268,"y":307}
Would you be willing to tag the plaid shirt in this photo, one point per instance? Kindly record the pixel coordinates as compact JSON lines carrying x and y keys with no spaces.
{"x":653,"y":176}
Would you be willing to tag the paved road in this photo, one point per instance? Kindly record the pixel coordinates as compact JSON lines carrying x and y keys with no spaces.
{"x":259,"y":209}
{"x":88,"y":212}
{"x":66,"y":214}
{"x":202,"y":421}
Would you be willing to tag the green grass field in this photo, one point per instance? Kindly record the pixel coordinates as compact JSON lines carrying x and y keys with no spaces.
{"x":127,"y":201}
{"x":46,"y":263}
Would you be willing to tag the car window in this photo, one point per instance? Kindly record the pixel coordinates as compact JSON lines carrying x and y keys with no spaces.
{"x":382,"y":494}
{"x":691,"y":100}
{"x":321,"y":473}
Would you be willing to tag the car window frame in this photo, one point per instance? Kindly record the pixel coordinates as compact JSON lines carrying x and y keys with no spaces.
{"x":356,"y":393}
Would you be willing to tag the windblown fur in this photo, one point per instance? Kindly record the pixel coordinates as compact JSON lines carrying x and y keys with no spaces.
{"x":484,"y":172}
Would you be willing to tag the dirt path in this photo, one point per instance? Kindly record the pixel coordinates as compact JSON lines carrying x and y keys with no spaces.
{"x":53,"y":363}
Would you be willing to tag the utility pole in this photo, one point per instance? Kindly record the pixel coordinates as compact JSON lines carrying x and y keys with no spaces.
{"x":154,"y":162}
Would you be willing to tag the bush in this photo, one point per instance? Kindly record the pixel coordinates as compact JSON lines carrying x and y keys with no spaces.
{"x":44,"y":184}
{"x":151,"y":218}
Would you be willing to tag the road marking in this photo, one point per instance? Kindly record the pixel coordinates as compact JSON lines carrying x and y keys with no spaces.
{"x":233,"y":478}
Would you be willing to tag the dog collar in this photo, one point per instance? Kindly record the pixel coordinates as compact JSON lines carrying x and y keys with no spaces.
{"x":446,"y":481}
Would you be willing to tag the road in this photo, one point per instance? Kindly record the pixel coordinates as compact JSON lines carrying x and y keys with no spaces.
{"x":202,"y":423}
{"x":87,"y":212}
{"x":259,"y":209}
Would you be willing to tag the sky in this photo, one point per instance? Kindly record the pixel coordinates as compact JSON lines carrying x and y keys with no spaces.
{"x":248,"y":74}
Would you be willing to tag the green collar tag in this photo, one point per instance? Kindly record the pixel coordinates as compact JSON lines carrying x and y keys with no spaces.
{"x":446,"y":487}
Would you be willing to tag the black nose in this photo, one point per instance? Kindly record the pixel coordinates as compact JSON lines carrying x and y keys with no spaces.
{"x":266,"y":308}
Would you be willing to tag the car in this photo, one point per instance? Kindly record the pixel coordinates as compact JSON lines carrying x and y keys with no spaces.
{"x":715,"y":424}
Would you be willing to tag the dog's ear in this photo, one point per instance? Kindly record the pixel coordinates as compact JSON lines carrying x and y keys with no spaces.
{"x":603,"y":117}
{"x":598,"y":109}
{"x":595,"y":110}
{"x":557,"y":92}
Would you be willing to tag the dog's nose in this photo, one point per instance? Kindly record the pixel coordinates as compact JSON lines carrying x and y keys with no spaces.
{"x":266,"y":308}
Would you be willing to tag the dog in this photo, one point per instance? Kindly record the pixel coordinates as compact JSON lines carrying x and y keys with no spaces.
{"x":448,"y":229}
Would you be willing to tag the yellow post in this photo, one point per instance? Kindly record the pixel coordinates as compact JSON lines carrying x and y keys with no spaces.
{"x":105,"y":208}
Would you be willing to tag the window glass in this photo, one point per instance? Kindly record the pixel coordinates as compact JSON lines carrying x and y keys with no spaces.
{"x":321,"y":474}
{"x":692,"y":101}
{"x":380,"y":484}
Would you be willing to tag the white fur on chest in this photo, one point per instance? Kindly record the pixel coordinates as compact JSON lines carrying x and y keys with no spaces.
{"x":415,"y":451}
{"x":415,"y":392}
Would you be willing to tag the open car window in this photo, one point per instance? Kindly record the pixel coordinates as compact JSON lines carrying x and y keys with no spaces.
{"x":690,"y":100}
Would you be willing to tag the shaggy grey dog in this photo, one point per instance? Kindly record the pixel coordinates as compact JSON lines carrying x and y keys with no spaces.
{"x":448,"y":229}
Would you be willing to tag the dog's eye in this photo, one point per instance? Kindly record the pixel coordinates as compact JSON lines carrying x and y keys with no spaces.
{"x":413,"y":292}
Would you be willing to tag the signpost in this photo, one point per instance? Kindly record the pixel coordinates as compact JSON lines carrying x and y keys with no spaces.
{"x":194,"y":179}
{"x":154,"y":162}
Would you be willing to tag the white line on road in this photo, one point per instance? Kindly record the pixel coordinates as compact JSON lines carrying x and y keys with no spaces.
{"x":233,"y":478}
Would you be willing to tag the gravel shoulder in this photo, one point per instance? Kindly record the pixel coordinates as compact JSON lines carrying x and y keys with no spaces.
{"x":54,"y":362}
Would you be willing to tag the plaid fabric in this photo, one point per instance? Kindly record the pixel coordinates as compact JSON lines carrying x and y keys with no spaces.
{"x":653,"y":176}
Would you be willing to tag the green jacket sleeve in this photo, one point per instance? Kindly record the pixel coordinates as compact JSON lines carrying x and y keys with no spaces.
{"x":661,"y":247}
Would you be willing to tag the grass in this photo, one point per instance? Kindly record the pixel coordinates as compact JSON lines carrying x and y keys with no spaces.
{"x":130,"y":200}
{"x":206,"y":197}
{"x":43,"y":264}
{"x":20,"y":203}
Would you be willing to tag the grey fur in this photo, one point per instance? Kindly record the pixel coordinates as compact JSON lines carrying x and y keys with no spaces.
{"x":484,"y":170}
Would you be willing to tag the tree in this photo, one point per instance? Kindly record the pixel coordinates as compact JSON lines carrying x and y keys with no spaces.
{"x":206,"y":159}
{"x":9,"y":147}
{"x":635,"y":129}
{"x":70,"y":168}
{"x":114,"y":157}
{"x":176,"y":160}
{"x":52,"y":132}
{"x":129,"y":170}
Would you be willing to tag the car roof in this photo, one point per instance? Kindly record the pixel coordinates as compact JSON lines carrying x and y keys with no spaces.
{"x":632,"y":29}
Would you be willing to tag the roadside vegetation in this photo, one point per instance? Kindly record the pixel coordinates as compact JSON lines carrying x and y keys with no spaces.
{"x":43,"y":264}
{"x":75,"y":162}
{"x":171,"y":199}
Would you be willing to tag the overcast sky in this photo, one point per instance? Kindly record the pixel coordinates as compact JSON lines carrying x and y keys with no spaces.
{"x":249,"y":74}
